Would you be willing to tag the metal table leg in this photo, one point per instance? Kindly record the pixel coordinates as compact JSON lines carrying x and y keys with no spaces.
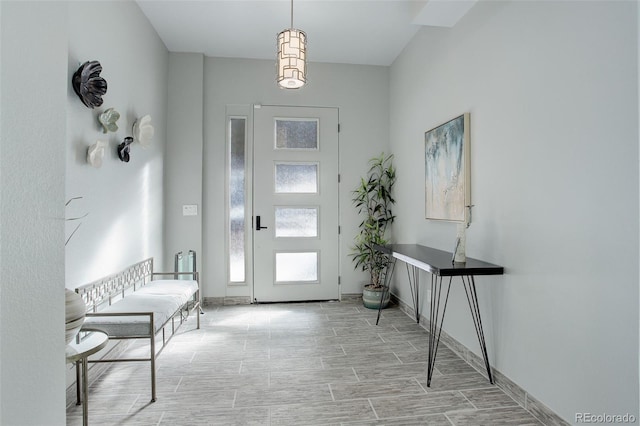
{"x":78,"y":382}
{"x":388,"y":273}
{"x":413,"y":274}
{"x":85,"y":393}
{"x":435,"y":321}
{"x":472,"y":298}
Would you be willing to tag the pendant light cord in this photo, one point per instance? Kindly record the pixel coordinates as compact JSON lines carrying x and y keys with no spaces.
{"x":291,"y":14}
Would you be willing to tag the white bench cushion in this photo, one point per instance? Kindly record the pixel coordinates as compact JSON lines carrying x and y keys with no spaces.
{"x":181,"y":289}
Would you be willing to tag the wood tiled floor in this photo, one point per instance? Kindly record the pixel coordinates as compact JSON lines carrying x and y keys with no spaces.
{"x":299,"y":364}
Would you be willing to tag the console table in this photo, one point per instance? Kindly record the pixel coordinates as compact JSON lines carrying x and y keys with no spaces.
{"x":439,"y":264}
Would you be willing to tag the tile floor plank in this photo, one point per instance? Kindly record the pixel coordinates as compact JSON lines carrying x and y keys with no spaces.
{"x":376,"y":389}
{"x":434,"y":403}
{"x":494,"y":417}
{"x":314,"y":413}
{"x":279,"y":379}
{"x":433,"y":420}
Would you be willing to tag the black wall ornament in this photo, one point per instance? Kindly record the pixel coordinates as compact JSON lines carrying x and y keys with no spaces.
{"x":88,"y":84}
{"x":124,"y":148}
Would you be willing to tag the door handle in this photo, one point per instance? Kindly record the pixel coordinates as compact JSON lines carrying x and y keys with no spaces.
{"x":258,"y":227}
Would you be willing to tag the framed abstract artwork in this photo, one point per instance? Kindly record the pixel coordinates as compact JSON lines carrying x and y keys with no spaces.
{"x":447,"y":171}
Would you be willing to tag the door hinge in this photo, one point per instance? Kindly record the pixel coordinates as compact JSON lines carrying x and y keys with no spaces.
{"x":339,"y":229}
{"x":338,"y":127}
{"x":338,"y":177}
{"x":339,"y":279}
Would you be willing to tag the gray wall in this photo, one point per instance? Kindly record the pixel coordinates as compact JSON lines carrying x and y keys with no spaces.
{"x":183,"y":170}
{"x":361,"y":94}
{"x":552,"y":88}
{"x":33,"y":76}
{"x":124,"y":200}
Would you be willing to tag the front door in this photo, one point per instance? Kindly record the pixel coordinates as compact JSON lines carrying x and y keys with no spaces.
{"x":295,"y":204}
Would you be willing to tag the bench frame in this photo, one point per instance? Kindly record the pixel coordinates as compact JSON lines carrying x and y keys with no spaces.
{"x":108,"y":290}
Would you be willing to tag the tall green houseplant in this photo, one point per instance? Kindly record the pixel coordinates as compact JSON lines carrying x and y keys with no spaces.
{"x":374,"y":201}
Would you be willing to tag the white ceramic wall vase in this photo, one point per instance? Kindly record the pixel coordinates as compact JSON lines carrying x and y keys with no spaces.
{"x":75,"y":311}
{"x":143,"y":130}
{"x":95,"y":154}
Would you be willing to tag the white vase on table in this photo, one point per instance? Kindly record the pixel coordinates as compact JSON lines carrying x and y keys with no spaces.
{"x":460,"y":255}
{"x":75,"y":311}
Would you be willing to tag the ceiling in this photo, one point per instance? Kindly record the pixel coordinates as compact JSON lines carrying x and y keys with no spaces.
{"x":369,"y":32}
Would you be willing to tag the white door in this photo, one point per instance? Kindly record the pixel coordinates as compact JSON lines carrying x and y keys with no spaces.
{"x":295,"y":204}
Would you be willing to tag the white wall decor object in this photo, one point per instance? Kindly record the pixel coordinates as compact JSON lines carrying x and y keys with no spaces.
{"x":459,"y":253}
{"x":108,"y":120}
{"x":95,"y":153}
{"x":75,"y":312}
{"x":143,"y":130}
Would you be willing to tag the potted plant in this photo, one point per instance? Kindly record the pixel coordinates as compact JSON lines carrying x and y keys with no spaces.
{"x":373,"y":199}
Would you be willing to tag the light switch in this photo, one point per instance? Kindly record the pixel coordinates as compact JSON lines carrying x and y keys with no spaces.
{"x":190,"y":210}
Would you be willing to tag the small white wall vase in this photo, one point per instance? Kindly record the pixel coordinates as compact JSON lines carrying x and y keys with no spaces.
{"x":95,"y":153}
{"x":461,"y":246}
{"x":75,"y":311}
{"x":143,"y":130}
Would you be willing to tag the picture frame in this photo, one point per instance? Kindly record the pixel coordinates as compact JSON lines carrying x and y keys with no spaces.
{"x":448,"y":171}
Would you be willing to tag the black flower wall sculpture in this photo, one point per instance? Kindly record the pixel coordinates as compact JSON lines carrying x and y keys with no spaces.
{"x":88,"y":84}
{"x":124,"y":148}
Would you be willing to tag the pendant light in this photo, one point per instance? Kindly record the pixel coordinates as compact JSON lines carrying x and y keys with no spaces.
{"x":292,"y":57}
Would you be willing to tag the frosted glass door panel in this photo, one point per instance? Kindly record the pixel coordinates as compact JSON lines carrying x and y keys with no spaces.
{"x":296,"y":133}
{"x":296,"y":267}
{"x":237,"y":223}
{"x":296,"y":222}
{"x":296,"y":178}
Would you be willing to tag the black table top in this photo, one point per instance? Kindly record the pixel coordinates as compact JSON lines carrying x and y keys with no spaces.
{"x":439,"y":262}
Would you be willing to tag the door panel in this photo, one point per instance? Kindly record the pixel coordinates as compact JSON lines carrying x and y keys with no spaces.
{"x":295,"y":194}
